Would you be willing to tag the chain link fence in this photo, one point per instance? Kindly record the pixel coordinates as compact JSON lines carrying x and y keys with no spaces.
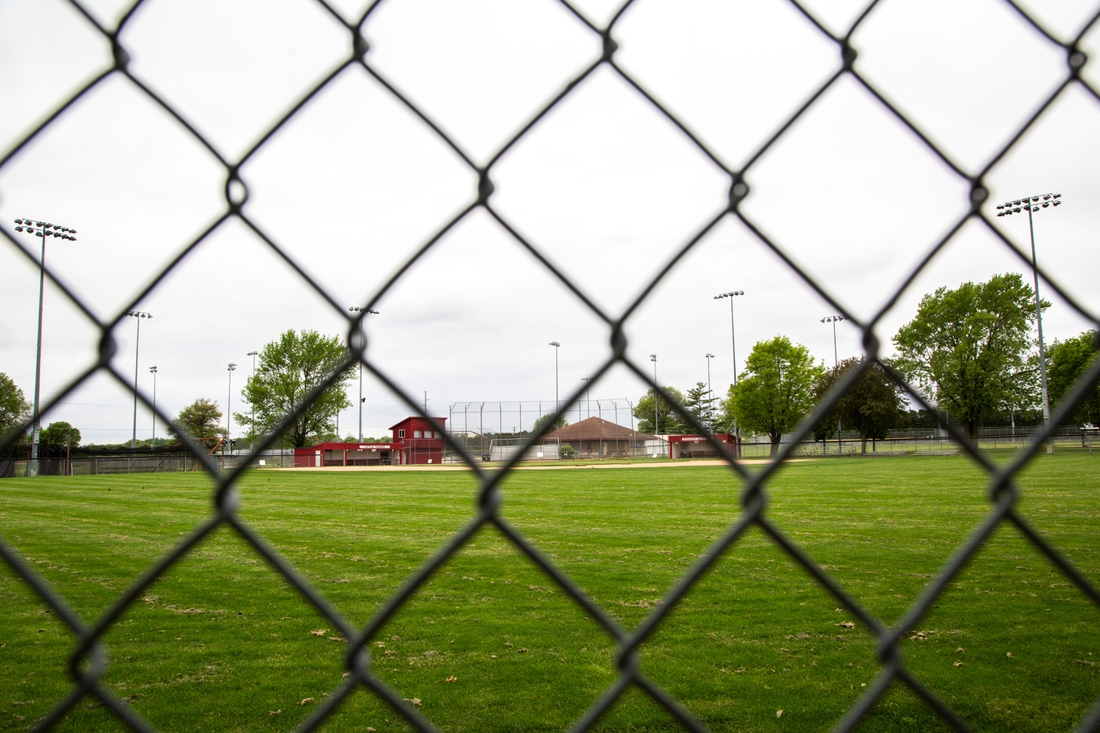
{"x":88,"y":659}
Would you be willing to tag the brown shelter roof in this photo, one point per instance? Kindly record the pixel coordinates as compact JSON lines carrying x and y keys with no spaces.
{"x":594,"y":428}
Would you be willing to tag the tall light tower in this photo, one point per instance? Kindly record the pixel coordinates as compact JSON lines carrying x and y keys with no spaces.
{"x":588,"y":395}
{"x":229,"y":402}
{"x":733,"y":328}
{"x":41,"y":230}
{"x":710,"y":395}
{"x":153,"y":440}
{"x":137,"y":316}
{"x":366,"y":312}
{"x":253,"y":354}
{"x":836,"y":362}
{"x":1032,"y":204}
{"x":656,"y":431}
{"x":834,"y":320}
{"x":557,"y":402}
{"x":733,"y":339}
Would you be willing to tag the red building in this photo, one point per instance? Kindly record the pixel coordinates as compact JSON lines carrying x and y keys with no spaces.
{"x":347,"y":454}
{"x":419,"y":441}
{"x":414,"y":441}
{"x":696,"y":446}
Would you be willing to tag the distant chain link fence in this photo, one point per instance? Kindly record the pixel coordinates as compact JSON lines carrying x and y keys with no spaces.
{"x":88,"y":659}
{"x":513,"y":418}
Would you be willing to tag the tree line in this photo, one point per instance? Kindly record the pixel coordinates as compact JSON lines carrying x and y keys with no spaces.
{"x":969,"y":349}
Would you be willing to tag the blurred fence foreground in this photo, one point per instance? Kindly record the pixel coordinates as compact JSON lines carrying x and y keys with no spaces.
{"x":88,"y":654}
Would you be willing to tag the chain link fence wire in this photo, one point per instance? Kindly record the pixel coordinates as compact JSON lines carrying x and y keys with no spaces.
{"x":88,"y":659}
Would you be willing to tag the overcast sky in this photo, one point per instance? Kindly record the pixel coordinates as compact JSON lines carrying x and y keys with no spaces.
{"x":605,"y":186}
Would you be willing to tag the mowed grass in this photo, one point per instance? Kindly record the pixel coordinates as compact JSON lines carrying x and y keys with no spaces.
{"x":221,"y":642}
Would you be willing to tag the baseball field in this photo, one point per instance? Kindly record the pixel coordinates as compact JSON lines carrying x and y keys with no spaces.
{"x":221,"y":641}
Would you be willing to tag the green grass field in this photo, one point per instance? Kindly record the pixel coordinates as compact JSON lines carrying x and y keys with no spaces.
{"x":221,"y":642}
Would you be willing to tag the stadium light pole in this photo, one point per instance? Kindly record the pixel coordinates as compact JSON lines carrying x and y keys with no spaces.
{"x":229,"y":402}
{"x":834,"y":320}
{"x":557,"y":402}
{"x":733,"y":340}
{"x":587,"y":395}
{"x":137,"y":316}
{"x":1032,"y":204}
{"x":710,"y":395}
{"x":733,"y":328}
{"x":153,"y":440}
{"x":41,"y":230}
{"x":656,"y":432}
{"x":252,"y":443}
{"x":366,"y":312}
{"x":836,"y":362}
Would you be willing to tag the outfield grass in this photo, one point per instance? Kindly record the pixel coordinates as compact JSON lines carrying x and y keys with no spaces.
{"x":222,"y":643}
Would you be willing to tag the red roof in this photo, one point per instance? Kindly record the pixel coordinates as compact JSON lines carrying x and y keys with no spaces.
{"x":594,"y":428}
{"x":368,"y":444}
{"x":419,"y":421}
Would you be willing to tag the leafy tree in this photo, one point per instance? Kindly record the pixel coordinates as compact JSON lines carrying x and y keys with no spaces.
{"x":917,"y":419}
{"x":972,"y":346}
{"x":873,"y":404}
{"x":1068,"y":361}
{"x":668,"y":420}
{"x":60,"y":433}
{"x":288,"y":370}
{"x":776,"y":390}
{"x":202,"y":421}
{"x":14,"y":410}
{"x":825,"y":429}
{"x":700,"y":403}
{"x":561,"y":423}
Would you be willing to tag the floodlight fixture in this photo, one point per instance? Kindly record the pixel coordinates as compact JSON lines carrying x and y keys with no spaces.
{"x":557,"y":401}
{"x":253,"y":354}
{"x":137,"y":316}
{"x":1056,"y":198}
{"x":588,"y":395}
{"x":36,"y":229}
{"x":153,"y":439}
{"x":733,"y":326}
{"x":834,"y":319}
{"x":656,"y":424}
{"x":229,"y":403}
{"x":366,"y":312}
{"x":708,"y":356}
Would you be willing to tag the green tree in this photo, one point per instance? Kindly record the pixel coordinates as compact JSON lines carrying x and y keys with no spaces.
{"x":972,"y":346}
{"x":14,"y":410}
{"x":776,"y":390}
{"x":60,"y":433}
{"x":700,"y":403}
{"x":1068,"y":360}
{"x":561,"y":423}
{"x":668,"y":420}
{"x":873,"y":404}
{"x":201,"y":420}
{"x":288,"y":370}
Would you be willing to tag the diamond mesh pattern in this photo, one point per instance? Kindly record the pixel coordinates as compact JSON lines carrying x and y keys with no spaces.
{"x":88,"y":659}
